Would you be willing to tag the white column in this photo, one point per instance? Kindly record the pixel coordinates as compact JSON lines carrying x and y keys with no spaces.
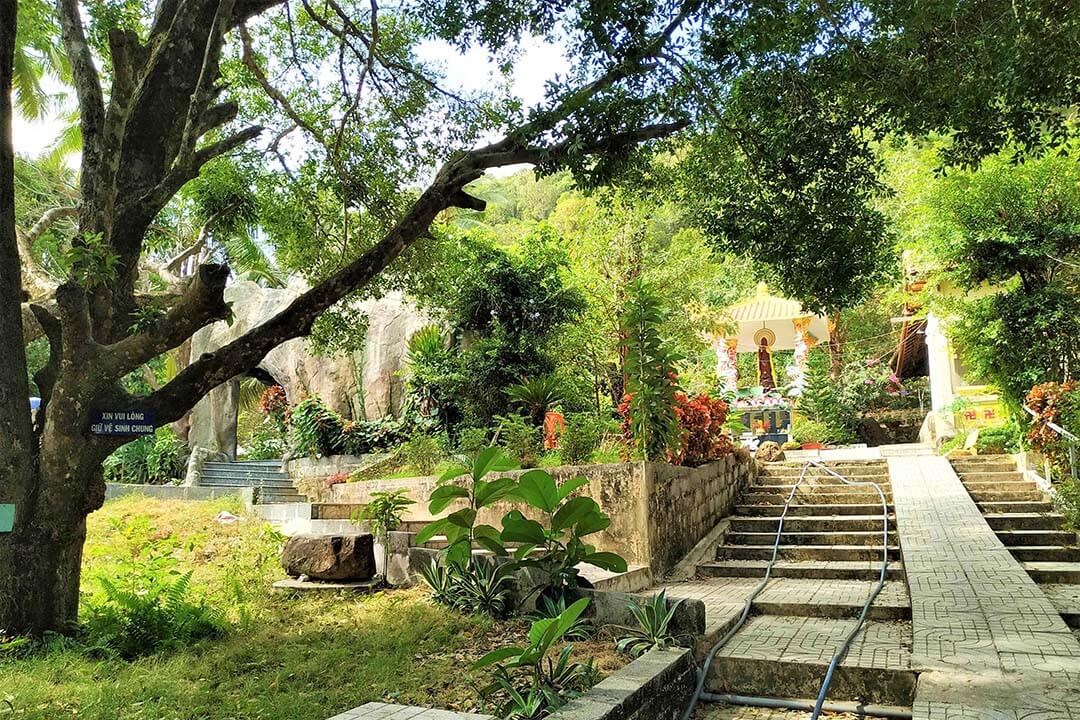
{"x":940,"y":364}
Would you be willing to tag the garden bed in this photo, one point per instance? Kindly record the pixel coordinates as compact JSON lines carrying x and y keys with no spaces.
{"x":284,"y":658}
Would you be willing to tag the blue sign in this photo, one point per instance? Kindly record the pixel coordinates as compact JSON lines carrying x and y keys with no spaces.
{"x":122,"y":422}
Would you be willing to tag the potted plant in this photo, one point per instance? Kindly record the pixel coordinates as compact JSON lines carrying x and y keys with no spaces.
{"x":810,"y":434}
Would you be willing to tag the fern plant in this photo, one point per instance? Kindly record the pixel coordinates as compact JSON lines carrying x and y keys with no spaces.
{"x":537,"y":396}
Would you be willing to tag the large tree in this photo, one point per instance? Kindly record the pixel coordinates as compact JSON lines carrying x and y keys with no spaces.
{"x":339,"y":97}
{"x":160,"y":97}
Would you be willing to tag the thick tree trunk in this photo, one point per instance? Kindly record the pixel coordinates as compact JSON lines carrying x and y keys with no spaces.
{"x":36,"y":592}
{"x":44,"y":594}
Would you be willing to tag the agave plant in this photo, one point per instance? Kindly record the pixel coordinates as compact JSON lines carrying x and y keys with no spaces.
{"x":654,"y":626}
{"x":537,"y":396}
{"x":548,"y":607}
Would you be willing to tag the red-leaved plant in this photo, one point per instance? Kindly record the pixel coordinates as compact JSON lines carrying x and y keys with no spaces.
{"x":701,"y":429}
{"x":1051,"y":402}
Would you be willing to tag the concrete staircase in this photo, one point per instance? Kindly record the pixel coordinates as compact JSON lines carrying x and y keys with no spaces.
{"x":271,"y":485}
{"x":1023,"y":518}
{"x":829,"y":560}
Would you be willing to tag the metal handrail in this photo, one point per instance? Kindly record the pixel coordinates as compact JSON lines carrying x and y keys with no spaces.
{"x":699,"y":691}
{"x":1070,"y":439}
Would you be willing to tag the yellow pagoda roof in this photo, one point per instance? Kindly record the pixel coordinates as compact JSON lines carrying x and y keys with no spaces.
{"x":764,"y":307}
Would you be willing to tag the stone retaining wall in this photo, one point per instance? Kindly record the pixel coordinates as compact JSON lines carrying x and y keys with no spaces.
{"x":658,"y":511}
{"x":178,"y":492}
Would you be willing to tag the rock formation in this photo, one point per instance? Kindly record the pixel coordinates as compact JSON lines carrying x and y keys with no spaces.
{"x":359,"y":385}
{"x":330,"y":557}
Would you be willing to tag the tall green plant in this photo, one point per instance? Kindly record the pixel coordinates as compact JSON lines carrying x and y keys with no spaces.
{"x":537,"y":396}
{"x":557,"y":546}
{"x":651,"y":379}
{"x":384,"y":513}
{"x":459,"y":527}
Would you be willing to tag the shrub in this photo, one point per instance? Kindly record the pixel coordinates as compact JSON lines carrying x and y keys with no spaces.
{"x":368,"y":436}
{"x":520,"y":439}
{"x":145,"y":606}
{"x":316,"y":429}
{"x":580,"y":438}
{"x":384,"y":513}
{"x":653,"y":630}
{"x":1067,"y":500}
{"x":529,"y":682}
{"x":154,"y":459}
{"x":702,"y":422}
{"x":275,"y":405}
{"x":811,"y":431}
{"x":557,"y":546}
{"x":536,"y":396}
{"x":422,"y":453}
{"x":267,"y":442}
{"x":998,"y":440}
{"x":472,"y":440}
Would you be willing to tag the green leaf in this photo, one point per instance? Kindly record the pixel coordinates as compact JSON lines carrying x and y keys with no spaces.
{"x":492,"y":459}
{"x":463,"y":518}
{"x":488,"y":537}
{"x":489,"y":493}
{"x":496,"y":656}
{"x":518,"y":528}
{"x":592,"y":523}
{"x":574,"y":512}
{"x":437,"y":527}
{"x":571,"y":485}
{"x":538,"y":489}
{"x":607,"y":561}
{"x":569,"y":616}
{"x":443,"y":496}
{"x":453,"y":473}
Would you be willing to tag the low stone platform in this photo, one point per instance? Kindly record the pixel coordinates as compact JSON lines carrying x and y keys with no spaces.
{"x":295,"y":585}
{"x":724,"y":596}
{"x":385,"y":711}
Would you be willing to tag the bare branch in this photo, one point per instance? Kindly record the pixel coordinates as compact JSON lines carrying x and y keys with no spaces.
{"x":252,"y":64}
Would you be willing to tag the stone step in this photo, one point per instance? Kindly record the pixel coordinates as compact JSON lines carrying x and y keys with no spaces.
{"x":804,"y":552}
{"x":1046,"y":553}
{"x":845,"y":498}
{"x":1066,"y":599}
{"x":818,"y":570}
{"x":969,"y":476}
{"x":275,"y":497}
{"x":794,"y":597}
{"x":981,"y":496}
{"x":1003,"y":485}
{"x":816,"y":488}
{"x":812,"y":510}
{"x":788,"y":657}
{"x":723,"y":711}
{"x":818,"y":523}
{"x":1063,"y":573}
{"x":1024,"y":521}
{"x":239,"y":477}
{"x":243,"y":469}
{"x":1017,"y":538}
{"x":1001,"y":507}
{"x":795,"y":474}
{"x":861,"y":538}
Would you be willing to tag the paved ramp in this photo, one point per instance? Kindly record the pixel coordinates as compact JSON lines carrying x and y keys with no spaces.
{"x":988,"y":642}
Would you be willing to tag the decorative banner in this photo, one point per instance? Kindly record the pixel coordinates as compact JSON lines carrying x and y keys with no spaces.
{"x":797,"y":370}
{"x":7,"y":518}
{"x":122,"y":422}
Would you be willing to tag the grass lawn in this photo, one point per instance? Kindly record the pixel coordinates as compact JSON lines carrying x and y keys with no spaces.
{"x":286,"y":659}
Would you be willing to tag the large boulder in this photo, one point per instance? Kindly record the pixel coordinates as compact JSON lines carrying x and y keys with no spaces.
{"x":769,"y":451}
{"x":330,"y":557}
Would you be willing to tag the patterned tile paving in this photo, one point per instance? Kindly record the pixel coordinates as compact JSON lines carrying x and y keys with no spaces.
{"x":384,"y":711}
{"x":992,"y":641}
{"x":882,"y":645}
